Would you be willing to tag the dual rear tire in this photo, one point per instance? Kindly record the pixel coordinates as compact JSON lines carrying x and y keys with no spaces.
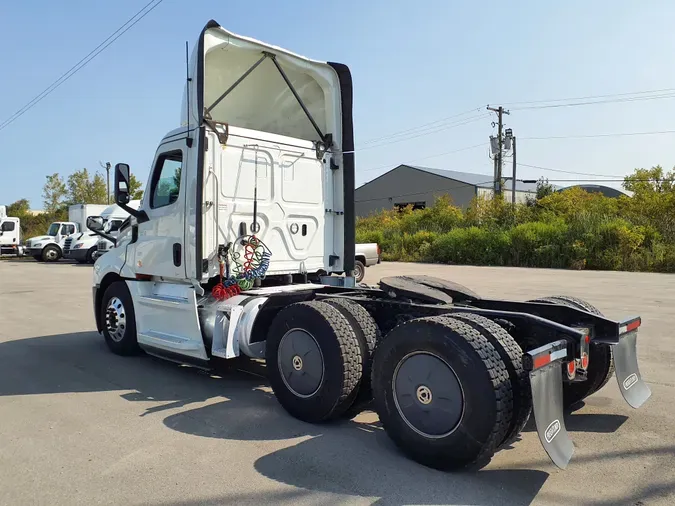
{"x":449,"y":390}
{"x":601,"y":363}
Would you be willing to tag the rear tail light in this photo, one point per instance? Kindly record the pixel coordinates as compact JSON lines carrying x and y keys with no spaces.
{"x":571,"y":369}
{"x":584,"y":361}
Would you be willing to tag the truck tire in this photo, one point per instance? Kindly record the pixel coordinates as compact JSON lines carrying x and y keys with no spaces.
{"x":601,"y":367}
{"x":313,"y":360}
{"x":51,"y":253}
{"x":90,"y":255}
{"x":512,"y":355}
{"x":442,"y":393}
{"x":119,"y":320}
{"x":359,"y":271}
{"x":368,"y":335}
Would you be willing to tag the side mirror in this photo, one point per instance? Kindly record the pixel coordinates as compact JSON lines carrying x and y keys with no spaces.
{"x":95,"y":223}
{"x":122,"y":176}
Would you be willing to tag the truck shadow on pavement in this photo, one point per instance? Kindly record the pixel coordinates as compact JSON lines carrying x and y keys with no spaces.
{"x":233,"y":402}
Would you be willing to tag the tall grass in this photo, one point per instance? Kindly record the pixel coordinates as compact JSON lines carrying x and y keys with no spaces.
{"x":571,"y":229}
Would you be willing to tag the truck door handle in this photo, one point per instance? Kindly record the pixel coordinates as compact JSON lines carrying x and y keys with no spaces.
{"x":177,"y":254}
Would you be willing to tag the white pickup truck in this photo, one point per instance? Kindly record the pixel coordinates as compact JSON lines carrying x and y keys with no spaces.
{"x":366,"y":255}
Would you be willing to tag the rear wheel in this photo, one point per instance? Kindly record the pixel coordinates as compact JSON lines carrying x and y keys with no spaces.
{"x":601,"y":363}
{"x":512,"y":355}
{"x":442,"y":392}
{"x":359,"y":271}
{"x":314,"y":361}
{"x":368,"y":335}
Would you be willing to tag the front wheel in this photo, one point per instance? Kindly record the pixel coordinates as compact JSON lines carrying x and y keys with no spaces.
{"x":119,"y":320}
{"x":51,"y":254}
{"x":90,"y":255}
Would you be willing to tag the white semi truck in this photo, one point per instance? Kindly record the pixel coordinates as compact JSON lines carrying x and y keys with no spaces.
{"x":10,"y":234}
{"x":49,"y":247}
{"x":82,"y":247}
{"x":249,"y":208}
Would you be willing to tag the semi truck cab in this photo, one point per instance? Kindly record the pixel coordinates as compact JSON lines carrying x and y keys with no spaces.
{"x":10,"y":234}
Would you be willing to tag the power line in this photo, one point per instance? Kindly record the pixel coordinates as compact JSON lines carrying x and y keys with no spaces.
{"x":83,"y":62}
{"x":592,"y":97}
{"x":566,"y":171}
{"x":591,"y":136}
{"x":426,"y":157}
{"x":421,"y":134}
{"x":442,"y":120}
{"x":595,"y":102}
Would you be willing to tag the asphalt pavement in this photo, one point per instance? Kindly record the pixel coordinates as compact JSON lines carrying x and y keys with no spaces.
{"x":79,"y":425}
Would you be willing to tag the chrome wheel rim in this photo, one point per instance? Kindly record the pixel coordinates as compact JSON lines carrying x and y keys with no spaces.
{"x":115,"y":319}
{"x":51,"y":254}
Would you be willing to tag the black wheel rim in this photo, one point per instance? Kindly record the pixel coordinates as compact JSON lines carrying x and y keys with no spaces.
{"x":428,"y":395}
{"x":300,"y":362}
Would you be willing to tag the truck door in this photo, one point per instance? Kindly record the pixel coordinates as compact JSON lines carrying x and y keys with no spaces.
{"x":9,"y":232}
{"x":159,"y":249}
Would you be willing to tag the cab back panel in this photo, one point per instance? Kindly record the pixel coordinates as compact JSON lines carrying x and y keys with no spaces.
{"x":291,"y":199}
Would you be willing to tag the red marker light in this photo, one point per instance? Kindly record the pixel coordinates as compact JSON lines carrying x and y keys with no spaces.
{"x":571,"y":369}
{"x":587,"y":339}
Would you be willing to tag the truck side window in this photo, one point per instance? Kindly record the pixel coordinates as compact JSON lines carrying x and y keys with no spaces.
{"x":7,"y":226}
{"x":166,"y":179}
{"x":67,"y":229}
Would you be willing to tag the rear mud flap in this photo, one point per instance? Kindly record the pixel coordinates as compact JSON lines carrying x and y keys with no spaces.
{"x":634,"y":390}
{"x":545,"y":368}
{"x":547,"y":404}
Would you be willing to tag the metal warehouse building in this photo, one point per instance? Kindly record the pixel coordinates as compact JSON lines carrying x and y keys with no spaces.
{"x":421,"y":186}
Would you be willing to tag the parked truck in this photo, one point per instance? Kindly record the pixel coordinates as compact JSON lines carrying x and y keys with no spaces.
{"x":249,"y":208}
{"x":82,"y":246}
{"x":49,"y":247}
{"x":10,"y":234}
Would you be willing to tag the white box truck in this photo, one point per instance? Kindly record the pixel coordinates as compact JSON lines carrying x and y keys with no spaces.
{"x":249,"y":206}
{"x":82,"y":247}
{"x":10,"y":234}
{"x":49,"y":247}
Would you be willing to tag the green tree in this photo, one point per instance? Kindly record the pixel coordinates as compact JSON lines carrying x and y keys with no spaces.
{"x":18,"y":208}
{"x":84,"y":189}
{"x":649,"y":181}
{"x":54,"y":193}
{"x":135,"y":188}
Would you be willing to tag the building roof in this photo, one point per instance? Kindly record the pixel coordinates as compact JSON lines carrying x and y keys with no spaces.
{"x":607,"y":191}
{"x":479,"y":180}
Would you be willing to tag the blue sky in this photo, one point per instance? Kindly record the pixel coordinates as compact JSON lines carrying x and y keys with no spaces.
{"x":412,"y":63}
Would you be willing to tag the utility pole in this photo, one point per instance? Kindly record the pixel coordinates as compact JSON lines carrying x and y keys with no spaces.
{"x":107,"y":179}
{"x":499,"y":156}
{"x":513,"y":184}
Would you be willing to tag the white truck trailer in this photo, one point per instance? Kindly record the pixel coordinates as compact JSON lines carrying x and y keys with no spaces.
{"x":49,"y":247}
{"x":10,"y":234}
{"x":249,"y":207}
